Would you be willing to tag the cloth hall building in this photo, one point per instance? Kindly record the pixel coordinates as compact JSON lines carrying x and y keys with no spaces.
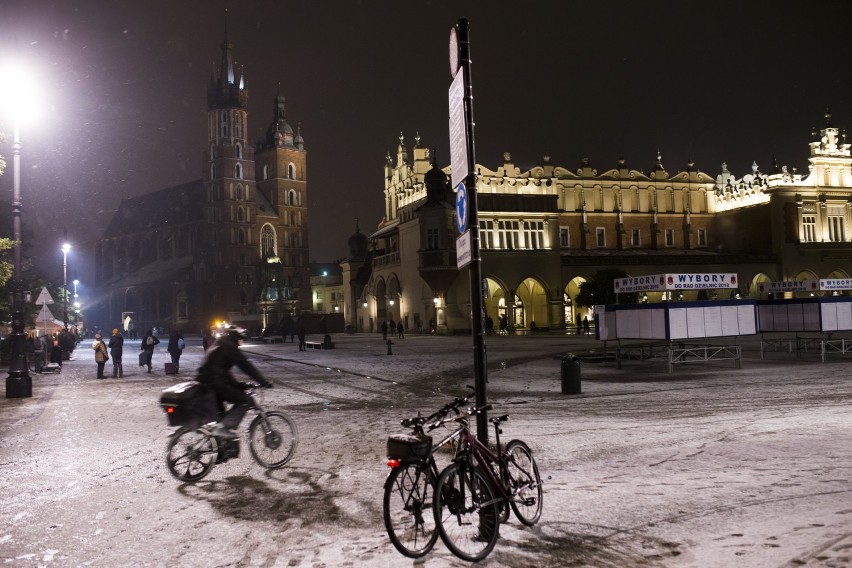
{"x":232,"y":245}
{"x":546,"y":230}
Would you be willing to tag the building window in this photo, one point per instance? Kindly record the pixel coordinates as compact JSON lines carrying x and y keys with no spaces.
{"x":239,"y":151}
{"x":564,"y":237}
{"x":702,"y":237}
{"x":212,"y":171}
{"x":508,"y":234}
{"x":809,"y":228}
{"x":836,"y":228}
{"x":241,"y":236}
{"x":240,"y":215}
{"x":635,"y":238}
{"x":669,"y":237}
{"x":224,"y":118}
{"x":291,"y":197}
{"x":239,"y":193}
{"x":486,"y":234}
{"x":182,"y":311}
{"x":432,"y":239}
{"x":534,"y":235}
{"x":238,"y":171}
{"x":291,"y":171}
{"x":265,"y":172}
{"x":600,"y":236}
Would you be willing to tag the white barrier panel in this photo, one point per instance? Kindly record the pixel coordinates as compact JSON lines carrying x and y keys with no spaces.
{"x":679,"y":320}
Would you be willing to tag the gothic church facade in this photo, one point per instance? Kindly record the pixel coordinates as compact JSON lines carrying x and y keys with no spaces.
{"x":230,"y":246}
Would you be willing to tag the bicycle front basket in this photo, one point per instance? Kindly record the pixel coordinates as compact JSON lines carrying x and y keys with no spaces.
{"x":409,"y":447}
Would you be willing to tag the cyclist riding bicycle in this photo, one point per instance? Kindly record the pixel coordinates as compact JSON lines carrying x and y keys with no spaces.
{"x":215,"y":372}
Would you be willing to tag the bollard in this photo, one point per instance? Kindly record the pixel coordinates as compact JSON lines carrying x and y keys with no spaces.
{"x":389,"y":347}
{"x":571,"y":375}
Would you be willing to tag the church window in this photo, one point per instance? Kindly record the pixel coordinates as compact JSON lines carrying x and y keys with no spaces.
{"x":239,"y":151}
{"x":238,"y":171}
{"x":267,"y":241}
{"x":223,"y":117}
{"x":291,"y":171}
{"x":265,"y":172}
{"x":241,"y":216}
{"x":241,"y":236}
{"x":238,"y":127}
{"x":291,"y":197}
{"x":239,"y":193}
{"x":212,"y":171}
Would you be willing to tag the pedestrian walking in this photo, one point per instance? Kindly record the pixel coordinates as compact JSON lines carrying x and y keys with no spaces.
{"x":303,"y":346}
{"x":56,"y":352}
{"x":175,"y":348}
{"x":206,"y":340}
{"x":392,"y":328}
{"x":586,"y":325}
{"x":384,"y":330}
{"x":400,"y":330}
{"x":101,"y":356}
{"x":579,"y":325}
{"x":116,"y":349}
{"x":148,"y":343}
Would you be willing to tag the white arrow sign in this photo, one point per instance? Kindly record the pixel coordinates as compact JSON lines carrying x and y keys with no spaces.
{"x":44,"y":297}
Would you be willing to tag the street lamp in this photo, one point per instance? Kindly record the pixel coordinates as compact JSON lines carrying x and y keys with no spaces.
{"x":66,"y":248}
{"x":16,"y":99}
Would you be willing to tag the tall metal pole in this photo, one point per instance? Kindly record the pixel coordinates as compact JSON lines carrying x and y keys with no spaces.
{"x":65,"y":248}
{"x":476,"y":306}
{"x":18,"y":383}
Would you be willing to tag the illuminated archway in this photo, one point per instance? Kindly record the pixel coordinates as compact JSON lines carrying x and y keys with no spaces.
{"x":754,"y":286}
{"x":531,"y":305}
{"x":569,"y":300}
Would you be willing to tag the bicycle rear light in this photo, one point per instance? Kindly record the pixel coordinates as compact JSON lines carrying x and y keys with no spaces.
{"x":170,"y":410}
{"x":393,"y":463}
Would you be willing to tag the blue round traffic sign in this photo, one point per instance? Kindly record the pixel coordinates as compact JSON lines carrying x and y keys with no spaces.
{"x":461,"y":208}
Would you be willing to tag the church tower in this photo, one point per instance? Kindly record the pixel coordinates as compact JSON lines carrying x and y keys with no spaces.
{"x":281,"y":161}
{"x":229,"y":187}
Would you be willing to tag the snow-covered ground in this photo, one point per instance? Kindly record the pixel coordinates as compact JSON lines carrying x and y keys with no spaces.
{"x":707,"y":466}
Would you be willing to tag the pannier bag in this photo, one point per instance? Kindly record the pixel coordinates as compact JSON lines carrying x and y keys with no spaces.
{"x":189,"y":404}
{"x":409,"y":447}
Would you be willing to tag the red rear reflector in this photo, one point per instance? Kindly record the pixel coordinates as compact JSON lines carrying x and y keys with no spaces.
{"x":392,"y":463}
{"x":170,"y":409}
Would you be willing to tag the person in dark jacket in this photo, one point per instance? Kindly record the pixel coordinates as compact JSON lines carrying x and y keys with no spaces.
{"x":148,"y":344}
{"x":175,"y":348}
{"x":303,"y":345}
{"x":116,"y":349}
{"x":215,"y":372}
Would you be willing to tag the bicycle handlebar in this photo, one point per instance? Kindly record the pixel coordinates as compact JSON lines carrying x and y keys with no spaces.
{"x":439,"y":416}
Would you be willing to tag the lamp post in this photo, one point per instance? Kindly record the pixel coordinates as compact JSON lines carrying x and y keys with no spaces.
{"x":19,"y":384}
{"x":17,"y":101}
{"x":66,"y":248}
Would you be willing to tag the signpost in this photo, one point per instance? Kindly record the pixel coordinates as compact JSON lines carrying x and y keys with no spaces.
{"x":44,"y":298}
{"x":463,"y":156}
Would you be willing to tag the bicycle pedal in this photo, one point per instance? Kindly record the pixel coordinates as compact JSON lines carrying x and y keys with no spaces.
{"x":529,"y":502}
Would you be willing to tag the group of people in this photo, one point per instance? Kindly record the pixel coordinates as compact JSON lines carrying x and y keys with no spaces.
{"x":115,"y":350}
{"x":49,"y":349}
{"x":394,"y":329}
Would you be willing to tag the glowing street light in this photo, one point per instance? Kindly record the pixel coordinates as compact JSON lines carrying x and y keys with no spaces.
{"x":17,"y":103}
{"x":66,"y":248}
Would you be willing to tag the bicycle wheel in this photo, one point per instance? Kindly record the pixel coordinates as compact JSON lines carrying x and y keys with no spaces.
{"x":466,"y":512}
{"x":191,"y":454}
{"x":524,"y":483}
{"x":273,"y":441}
{"x":409,"y":518}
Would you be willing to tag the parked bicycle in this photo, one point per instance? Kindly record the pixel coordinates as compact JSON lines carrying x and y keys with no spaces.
{"x":474,"y":493}
{"x":193,"y":449}
{"x":407,"y":504}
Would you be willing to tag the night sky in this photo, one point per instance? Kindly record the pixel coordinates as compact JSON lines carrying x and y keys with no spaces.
{"x":124,"y":90}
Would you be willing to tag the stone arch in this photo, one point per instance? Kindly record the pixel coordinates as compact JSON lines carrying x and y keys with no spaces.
{"x":530,"y":304}
{"x":569,"y":300}
{"x":497,"y":301}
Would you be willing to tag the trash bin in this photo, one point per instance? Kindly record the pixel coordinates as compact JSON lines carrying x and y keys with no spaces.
{"x":571,"y":375}
{"x":326,"y":342}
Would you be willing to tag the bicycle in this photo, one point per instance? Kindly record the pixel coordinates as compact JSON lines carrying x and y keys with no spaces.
{"x":407,"y":504}
{"x":193,"y":450}
{"x":473,"y":494}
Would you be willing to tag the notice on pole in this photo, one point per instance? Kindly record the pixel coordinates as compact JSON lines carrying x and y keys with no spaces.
{"x":458,"y":135}
{"x":463,"y":256}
